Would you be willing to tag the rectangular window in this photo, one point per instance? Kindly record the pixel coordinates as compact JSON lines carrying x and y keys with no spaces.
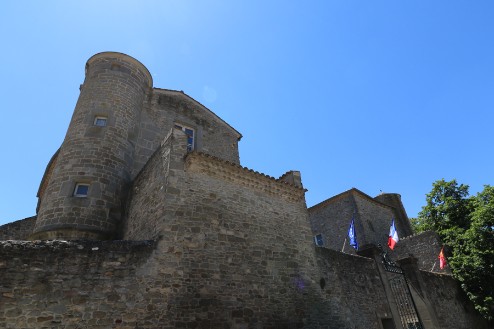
{"x":100,"y":121}
{"x":318,"y":240}
{"x":81,"y":190}
{"x":190,"y":135}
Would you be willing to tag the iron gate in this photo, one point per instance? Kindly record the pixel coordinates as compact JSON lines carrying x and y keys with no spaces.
{"x":407,"y":310}
{"x":406,"y":307}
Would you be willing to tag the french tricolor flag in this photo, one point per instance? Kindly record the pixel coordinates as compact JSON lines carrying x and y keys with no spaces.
{"x":393,"y":235}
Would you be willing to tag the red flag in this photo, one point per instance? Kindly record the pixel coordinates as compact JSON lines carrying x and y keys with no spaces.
{"x":442,"y":259}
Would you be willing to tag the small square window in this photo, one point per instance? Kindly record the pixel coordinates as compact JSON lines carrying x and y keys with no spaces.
{"x":81,"y":190}
{"x":100,"y":121}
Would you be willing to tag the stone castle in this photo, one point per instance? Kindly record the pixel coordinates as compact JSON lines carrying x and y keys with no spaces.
{"x":146,"y":219}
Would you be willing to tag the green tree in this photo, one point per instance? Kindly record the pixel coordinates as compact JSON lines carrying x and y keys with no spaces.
{"x":473,"y":258}
{"x":465,"y":224}
{"x":447,"y":206}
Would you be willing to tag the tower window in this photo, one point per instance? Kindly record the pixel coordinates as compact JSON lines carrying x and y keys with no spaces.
{"x":100,"y":121}
{"x":190,"y":135}
{"x":81,"y":190}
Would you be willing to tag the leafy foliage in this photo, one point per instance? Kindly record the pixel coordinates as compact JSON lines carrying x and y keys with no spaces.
{"x":466,"y":225}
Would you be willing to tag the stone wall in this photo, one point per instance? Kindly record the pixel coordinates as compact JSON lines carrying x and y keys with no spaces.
{"x":376,"y":219}
{"x":450,"y":304}
{"x":164,"y":108}
{"x":59,"y":284}
{"x":425,"y":247}
{"x":353,"y":287}
{"x":143,"y":284}
{"x":332,"y":222}
{"x":235,"y":247}
{"x":235,"y":250}
{"x":332,"y":218}
{"x":146,"y":203}
{"x":18,"y":230}
{"x":140,"y":284}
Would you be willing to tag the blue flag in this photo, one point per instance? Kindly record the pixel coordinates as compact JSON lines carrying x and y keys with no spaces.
{"x":351,"y":235}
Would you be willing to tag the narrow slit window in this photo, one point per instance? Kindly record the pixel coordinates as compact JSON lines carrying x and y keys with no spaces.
{"x":81,"y":190}
{"x":100,"y":121}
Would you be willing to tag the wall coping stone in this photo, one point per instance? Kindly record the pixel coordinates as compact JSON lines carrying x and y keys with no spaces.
{"x":93,"y":245}
{"x":17,"y":222}
{"x":418,"y":234}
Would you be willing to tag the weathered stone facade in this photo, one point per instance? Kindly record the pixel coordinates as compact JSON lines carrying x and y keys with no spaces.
{"x":331,"y":218}
{"x":18,"y":230}
{"x":195,"y":240}
{"x":425,"y":247}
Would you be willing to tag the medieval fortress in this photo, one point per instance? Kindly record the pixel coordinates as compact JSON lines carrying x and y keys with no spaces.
{"x":147,"y":219}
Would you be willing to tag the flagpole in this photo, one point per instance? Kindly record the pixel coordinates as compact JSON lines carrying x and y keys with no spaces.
{"x":344,"y":242}
{"x":432,"y":269}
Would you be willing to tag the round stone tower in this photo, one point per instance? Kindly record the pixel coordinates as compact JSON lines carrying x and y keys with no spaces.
{"x":85,"y":189}
{"x":401,"y":219}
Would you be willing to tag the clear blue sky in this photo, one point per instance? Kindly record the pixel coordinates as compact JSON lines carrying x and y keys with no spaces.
{"x":377,"y":95}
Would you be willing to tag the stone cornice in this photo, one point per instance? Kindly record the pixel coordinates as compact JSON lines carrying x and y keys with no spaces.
{"x":228,"y":171}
